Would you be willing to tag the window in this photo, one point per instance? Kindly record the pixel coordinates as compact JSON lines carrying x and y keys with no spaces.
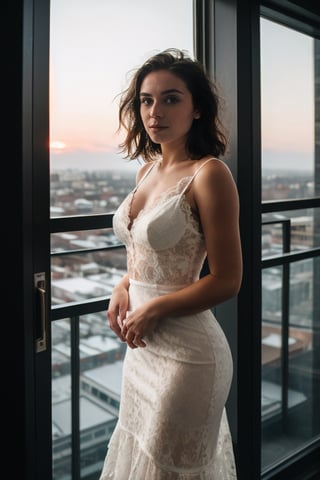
{"x":93,"y":47}
{"x":290,"y":388}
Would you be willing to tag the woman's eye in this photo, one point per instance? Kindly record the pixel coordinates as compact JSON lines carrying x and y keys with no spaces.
{"x":145,"y":101}
{"x":172,"y":99}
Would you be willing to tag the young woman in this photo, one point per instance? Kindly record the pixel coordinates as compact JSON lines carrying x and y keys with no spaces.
{"x":185,"y":208}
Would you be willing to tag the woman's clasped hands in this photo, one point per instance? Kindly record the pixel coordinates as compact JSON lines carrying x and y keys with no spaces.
{"x":130,"y":326}
{"x":131,"y":331}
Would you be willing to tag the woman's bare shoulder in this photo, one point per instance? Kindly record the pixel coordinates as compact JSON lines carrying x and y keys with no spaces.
{"x":143,"y":170}
{"x":210,"y":166}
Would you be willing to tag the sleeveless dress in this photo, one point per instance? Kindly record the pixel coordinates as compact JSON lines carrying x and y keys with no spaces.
{"x":172,"y":421}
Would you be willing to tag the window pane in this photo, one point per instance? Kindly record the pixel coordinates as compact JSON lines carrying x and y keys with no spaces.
{"x":290,"y":388}
{"x":287,"y":112}
{"x":85,"y":264}
{"x":93,"y":47}
{"x":61,"y":399}
{"x":294,"y":231}
{"x":82,"y":191}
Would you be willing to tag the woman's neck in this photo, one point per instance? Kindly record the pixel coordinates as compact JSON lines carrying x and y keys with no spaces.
{"x":173,"y":156}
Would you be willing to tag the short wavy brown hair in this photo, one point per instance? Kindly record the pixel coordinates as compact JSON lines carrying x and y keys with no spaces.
{"x":206,"y":135}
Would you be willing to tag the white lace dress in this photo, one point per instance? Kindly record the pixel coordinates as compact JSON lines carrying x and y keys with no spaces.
{"x":172,"y":421}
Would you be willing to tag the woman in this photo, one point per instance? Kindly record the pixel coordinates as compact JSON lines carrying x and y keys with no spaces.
{"x":178,"y":366}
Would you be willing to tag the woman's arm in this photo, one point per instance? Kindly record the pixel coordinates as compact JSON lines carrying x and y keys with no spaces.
{"x":118,"y":306}
{"x":217,"y":200}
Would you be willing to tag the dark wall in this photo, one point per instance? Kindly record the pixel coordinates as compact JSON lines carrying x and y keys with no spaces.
{"x":311,"y":5}
{"x":12,"y":333}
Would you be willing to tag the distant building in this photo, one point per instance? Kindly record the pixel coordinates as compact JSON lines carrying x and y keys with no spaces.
{"x":99,"y":407}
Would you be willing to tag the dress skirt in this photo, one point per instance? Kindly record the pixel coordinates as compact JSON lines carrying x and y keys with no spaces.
{"x":172,"y":421}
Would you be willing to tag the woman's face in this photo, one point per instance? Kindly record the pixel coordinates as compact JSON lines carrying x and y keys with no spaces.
{"x":166,"y":107}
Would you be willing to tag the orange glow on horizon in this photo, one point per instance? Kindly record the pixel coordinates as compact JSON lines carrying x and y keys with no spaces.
{"x":57,"y":145}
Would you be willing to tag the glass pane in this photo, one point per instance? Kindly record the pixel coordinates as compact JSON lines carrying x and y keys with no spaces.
{"x":290,"y":387}
{"x":93,"y":47}
{"x":294,"y":231}
{"x":102,"y":356}
{"x":85,"y":264}
{"x":86,"y":192}
{"x":287,"y":112}
{"x":85,"y":239}
{"x":80,"y":276}
{"x":290,"y":360}
{"x":61,"y":399}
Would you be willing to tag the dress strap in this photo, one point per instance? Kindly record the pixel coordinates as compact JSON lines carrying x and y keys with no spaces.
{"x":145,"y":175}
{"x":196,"y":173}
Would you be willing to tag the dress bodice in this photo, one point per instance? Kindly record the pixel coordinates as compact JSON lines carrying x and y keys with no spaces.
{"x":164,"y":243}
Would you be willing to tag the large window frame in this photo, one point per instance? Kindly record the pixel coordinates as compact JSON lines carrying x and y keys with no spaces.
{"x":306,"y":461}
{"x":237,"y":68}
{"x":234,"y":39}
{"x":227,"y":42}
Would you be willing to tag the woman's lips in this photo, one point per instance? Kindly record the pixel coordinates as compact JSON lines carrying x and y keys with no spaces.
{"x":156,"y":128}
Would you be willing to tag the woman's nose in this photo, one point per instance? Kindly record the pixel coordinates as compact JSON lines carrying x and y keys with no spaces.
{"x":155,"y":111}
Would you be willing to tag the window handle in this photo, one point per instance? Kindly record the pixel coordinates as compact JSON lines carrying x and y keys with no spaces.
{"x":41,"y":312}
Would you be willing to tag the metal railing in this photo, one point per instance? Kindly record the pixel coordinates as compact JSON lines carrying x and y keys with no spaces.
{"x":284,"y":260}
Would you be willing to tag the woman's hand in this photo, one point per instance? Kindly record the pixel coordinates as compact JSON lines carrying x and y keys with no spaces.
{"x":137,"y":325}
{"x":118,"y":307}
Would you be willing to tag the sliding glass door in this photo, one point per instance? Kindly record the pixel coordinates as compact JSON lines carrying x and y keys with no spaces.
{"x":94,"y":46}
{"x":290,"y":358}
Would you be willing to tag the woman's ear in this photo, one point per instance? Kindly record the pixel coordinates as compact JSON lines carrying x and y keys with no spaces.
{"x":196,"y":114}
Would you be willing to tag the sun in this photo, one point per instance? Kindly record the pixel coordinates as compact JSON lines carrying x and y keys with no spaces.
{"x":57,"y":145}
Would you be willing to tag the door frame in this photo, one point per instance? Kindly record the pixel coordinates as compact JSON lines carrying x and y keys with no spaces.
{"x":36,"y":236}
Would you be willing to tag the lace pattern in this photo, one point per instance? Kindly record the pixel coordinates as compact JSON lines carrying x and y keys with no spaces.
{"x":138,"y":465}
{"x":182,"y":260}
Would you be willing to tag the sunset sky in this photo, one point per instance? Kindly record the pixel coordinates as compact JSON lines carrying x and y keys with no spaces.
{"x":95,"y":44}
{"x":287,"y":91}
